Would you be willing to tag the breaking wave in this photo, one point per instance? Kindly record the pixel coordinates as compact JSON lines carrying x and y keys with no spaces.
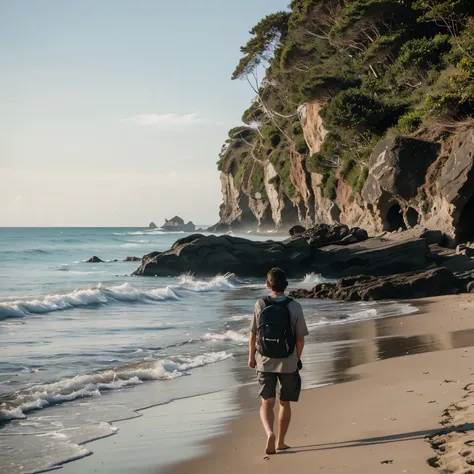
{"x":234,"y":336}
{"x":312,"y":279}
{"x":93,"y":385}
{"x":103,"y":295}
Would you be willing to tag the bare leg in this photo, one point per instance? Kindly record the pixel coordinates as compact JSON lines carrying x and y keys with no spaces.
{"x":284,"y":418}
{"x":268,"y":420}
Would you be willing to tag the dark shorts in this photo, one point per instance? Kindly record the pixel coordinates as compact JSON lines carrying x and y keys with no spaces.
{"x":290,"y":385}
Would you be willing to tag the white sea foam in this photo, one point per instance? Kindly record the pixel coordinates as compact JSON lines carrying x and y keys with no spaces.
{"x":130,"y":245}
{"x":76,"y":272}
{"x":85,"y":386}
{"x":312,"y":279}
{"x":241,"y":317}
{"x":233,"y":336}
{"x":152,"y":232}
{"x":102,"y":294}
{"x":369,"y":313}
{"x":13,"y":414}
{"x":220,"y":282}
{"x":372,"y":310}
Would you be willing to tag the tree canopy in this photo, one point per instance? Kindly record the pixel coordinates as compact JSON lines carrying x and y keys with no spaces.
{"x":266,"y":35}
{"x":373,"y":66}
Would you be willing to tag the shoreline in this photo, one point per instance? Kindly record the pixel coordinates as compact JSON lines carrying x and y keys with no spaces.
{"x":394,"y":406}
{"x":236,"y":444}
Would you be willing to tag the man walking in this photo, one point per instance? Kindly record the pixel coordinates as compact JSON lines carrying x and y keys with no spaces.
{"x":277,"y":333}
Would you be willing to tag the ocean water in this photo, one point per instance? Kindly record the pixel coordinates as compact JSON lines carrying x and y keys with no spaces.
{"x":84,"y":345}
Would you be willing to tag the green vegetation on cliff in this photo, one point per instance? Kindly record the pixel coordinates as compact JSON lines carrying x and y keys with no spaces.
{"x":375,"y":67}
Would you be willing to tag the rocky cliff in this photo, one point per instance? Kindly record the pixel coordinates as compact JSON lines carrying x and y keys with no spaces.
{"x":362,"y":119}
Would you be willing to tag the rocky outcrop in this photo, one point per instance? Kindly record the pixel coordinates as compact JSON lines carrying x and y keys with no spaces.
{"x":321,"y":250}
{"x":296,"y":230}
{"x":177,"y":224}
{"x":211,"y":255}
{"x":132,"y":259}
{"x":322,"y":235}
{"x":94,"y":259}
{"x":397,"y":168}
{"x":414,"y":182}
{"x":312,"y":123}
{"x":439,"y":281}
{"x":152,"y":225}
{"x":377,"y":256}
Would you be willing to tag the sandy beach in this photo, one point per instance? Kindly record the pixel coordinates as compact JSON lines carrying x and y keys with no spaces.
{"x":397,"y":414}
{"x":380,"y":422}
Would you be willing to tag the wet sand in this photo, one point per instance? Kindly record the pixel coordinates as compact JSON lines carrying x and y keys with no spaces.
{"x":388,"y":416}
{"x":380,"y":408}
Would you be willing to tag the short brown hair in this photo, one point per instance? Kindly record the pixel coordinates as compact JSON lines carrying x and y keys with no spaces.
{"x":277,"y":280}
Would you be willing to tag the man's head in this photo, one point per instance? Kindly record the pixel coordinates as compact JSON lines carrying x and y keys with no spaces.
{"x":276,"y":280}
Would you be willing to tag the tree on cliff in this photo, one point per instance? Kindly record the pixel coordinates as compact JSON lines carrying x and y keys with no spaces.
{"x":266,"y":36}
{"x":372,"y":66}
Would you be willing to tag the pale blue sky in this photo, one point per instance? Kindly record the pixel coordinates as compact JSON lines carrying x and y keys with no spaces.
{"x":113,"y":112}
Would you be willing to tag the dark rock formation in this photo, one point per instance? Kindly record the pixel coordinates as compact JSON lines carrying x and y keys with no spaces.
{"x":177,"y":224}
{"x":152,"y":226}
{"x":296,"y":230}
{"x":211,"y":255}
{"x":219,"y":228}
{"x":95,"y":259}
{"x":390,"y":254}
{"x":132,"y":259}
{"x":323,"y":234}
{"x":320,"y":250}
{"x":439,"y":281}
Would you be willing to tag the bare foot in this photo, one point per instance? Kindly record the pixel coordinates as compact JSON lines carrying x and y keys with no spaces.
{"x":283,"y":447}
{"x":270,"y":449}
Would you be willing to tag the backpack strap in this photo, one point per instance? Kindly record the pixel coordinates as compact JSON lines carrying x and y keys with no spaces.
{"x":269,"y":301}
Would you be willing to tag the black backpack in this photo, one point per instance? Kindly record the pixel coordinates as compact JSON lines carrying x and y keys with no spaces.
{"x":275,"y":335}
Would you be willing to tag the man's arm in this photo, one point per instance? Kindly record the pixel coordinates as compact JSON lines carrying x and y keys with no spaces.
{"x":252,"y":350}
{"x":299,"y":346}
{"x":253,"y":337}
{"x":301,"y":329}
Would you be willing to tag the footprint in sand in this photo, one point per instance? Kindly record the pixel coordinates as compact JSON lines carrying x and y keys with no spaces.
{"x":450,"y":444}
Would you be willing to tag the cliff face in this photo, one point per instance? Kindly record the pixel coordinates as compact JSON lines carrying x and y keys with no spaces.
{"x":344,"y":129}
{"x":410,"y":182}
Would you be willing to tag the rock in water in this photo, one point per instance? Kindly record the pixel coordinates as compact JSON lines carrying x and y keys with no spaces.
{"x":439,"y":281}
{"x":132,"y":259}
{"x":177,"y":224}
{"x":95,"y":259}
{"x":152,"y":226}
{"x":308,"y":252}
{"x":211,"y":255}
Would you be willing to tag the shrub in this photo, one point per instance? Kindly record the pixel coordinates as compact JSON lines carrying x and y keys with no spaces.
{"x":284,"y":173}
{"x":357,"y":110}
{"x":239,"y":176}
{"x":240,"y":135}
{"x":329,"y":186}
{"x":301,"y":146}
{"x":297,"y":128}
{"x":356,"y":176}
{"x":257,"y":180}
{"x":423,"y":53}
{"x":410,"y":122}
{"x":275,"y":139}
